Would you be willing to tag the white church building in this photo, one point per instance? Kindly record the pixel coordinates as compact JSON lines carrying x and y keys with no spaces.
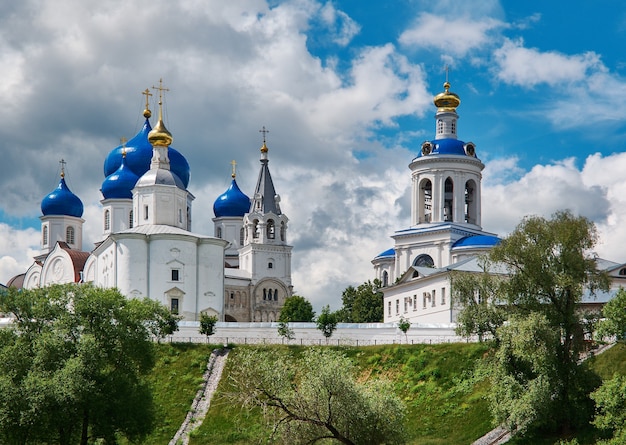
{"x":445,"y":232}
{"x":240,"y":273}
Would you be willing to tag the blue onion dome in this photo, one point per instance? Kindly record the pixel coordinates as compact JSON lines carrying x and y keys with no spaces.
{"x":120,"y":183}
{"x":233,"y":202}
{"x":61,"y":201}
{"x":139,"y":155}
{"x":476,"y":242}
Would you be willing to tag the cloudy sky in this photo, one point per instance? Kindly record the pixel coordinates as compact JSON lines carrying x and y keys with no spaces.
{"x":345,"y":88}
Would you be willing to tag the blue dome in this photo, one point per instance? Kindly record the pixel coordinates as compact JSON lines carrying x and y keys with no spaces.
{"x":476,"y":241}
{"x":138,"y":156}
{"x":233,"y":202}
{"x":446,"y":146}
{"x":61,"y":201}
{"x":389,"y":253}
{"x":120,"y":183}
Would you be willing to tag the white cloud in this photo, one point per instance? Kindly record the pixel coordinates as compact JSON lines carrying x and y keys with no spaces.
{"x":528,"y":67}
{"x":456,"y":35}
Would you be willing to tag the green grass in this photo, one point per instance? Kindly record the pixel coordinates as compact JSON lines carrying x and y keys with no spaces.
{"x":433,"y":381}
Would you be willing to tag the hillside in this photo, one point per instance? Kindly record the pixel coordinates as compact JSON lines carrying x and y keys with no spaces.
{"x":433,"y":380}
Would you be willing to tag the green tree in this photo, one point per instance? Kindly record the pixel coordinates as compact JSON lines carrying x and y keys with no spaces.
{"x":614,"y":313}
{"x":285,"y":331}
{"x":363,"y":304}
{"x":316,"y":396}
{"x":296,"y":308}
{"x":610,"y":400}
{"x":327,"y":322}
{"x":549,"y":264}
{"x":73,"y":365}
{"x":404,"y":325}
{"x":207,"y":324}
{"x":478,"y":297}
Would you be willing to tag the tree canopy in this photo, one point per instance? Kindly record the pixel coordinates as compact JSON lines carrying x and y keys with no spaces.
{"x":548,"y":266}
{"x":327,"y":322}
{"x":296,"y":308}
{"x":316,"y":396}
{"x":363,"y":304}
{"x":72,"y":365}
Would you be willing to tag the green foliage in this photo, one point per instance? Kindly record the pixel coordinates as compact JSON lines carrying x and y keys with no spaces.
{"x":610,"y":401}
{"x":207,"y":324}
{"x":404,"y":325}
{"x":73,"y":365}
{"x":478,"y":297}
{"x":314,"y":396}
{"x":363,"y":304}
{"x":285,"y":331}
{"x":296,"y":308}
{"x":327,"y":322}
{"x":549,"y":263}
{"x":614,"y":313}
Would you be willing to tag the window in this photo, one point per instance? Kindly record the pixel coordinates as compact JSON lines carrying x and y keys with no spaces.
{"x":255,"y":229}
{"x":424,"y":260}
{"x":448,"y":200}
{"x":406,"y":305}
{"x":443,"y":295}
{"x":232,"y":295}
{"x":219,"y":232}
{"x":440,"y":126}
{"x":275,"y":294}
{"x":283,"y":231}
{"x":45,"y":236}
{"x":145,"y":212}
{"x":397,"y":307}
{"x":389,"y":308}
{"x":175,"y":275}
{"x":270,"y":229}
{"x":385,"y":279}
{"x":424,"y":296}
{"x":69,"y":235}
{"x":174,"y":305}
{"x":131,"y":216}
{"x":433,"y":298}
{"x":107,"y":220}
{"x":270,"y":265}
{"x":241,"y":236}
{"x":414,"y":302}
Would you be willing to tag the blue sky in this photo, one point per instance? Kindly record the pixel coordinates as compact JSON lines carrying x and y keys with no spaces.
{"x":345,"y":88}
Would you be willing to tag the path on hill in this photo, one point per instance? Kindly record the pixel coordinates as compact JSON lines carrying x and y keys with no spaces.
{"x":500,"y":435}
{"x":202,"y":401}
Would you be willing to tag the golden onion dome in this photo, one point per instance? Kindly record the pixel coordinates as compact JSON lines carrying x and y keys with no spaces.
{"x":264,"y":148}
{"x":159,"y":136}
{"x":447,"y":101}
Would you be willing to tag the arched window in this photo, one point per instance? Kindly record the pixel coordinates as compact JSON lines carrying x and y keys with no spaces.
{"x":448,"y":200}
{"x":45,"y":235}
{"x":219,"y":232}
{"x":283,"y":231}
{"x":385,"y":279}
{"x":275,"y":294}
{"x":270,"y":229}
{"x":471,"y":211}
{"x":130,"y":219}
{"x":107,"y":219}
{"x":69,"y":235}
{"x":264,"y":294}
{"x":426,"y":201}
{"x":145,"y":212}
{"x":241,"y":236}
{"x":270,"y":265}
{"x":255,"y":228}
{"x":423,"y":260}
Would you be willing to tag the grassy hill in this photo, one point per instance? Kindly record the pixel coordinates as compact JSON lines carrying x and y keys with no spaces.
{"x":444,"y":405}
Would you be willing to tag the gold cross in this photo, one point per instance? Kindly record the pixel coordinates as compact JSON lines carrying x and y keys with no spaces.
{"x":234,"y":164}
{"x":123,"y":140}
{"x":147,"y":93}
{"x":62,"y":162}
{"x":161,"y":89}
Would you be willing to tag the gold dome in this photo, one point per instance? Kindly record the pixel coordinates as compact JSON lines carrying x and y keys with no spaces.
{"x":159,"y":136}
{"x":264,"y":148}
{"x":447,"y":101}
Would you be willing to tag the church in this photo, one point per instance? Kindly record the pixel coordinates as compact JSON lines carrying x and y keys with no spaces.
{"x":148,"y":249}
{"x":445,"y":232}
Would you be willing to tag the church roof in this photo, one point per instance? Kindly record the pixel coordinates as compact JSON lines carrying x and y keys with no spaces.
{"x":264,"y":193}
{"x":389,"y":253}
{"x":233,"y":202}
{"x":61,"y":201}
{"x":476,"y":241}
{"x":119,"y":184}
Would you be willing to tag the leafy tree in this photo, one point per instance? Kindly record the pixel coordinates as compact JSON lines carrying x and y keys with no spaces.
{"x":478,"y":297}
{"x":316,"y":396}
{"x":549,"y":263}
{"x":363,"y":304}
{"x":614,"y":313}
{"x":296,"y":308}
{"x":327,"y":322}
{"x":207,"y":324}
{"x":285,"y":331}
{"x":73,"y":365}
{"x":610,"y":399}
{"x":404,"y":325}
